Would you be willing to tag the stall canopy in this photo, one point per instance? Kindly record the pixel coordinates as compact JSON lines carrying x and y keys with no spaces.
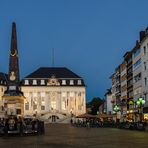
{"x":105,"y":116}
{"x":95,"y":116}
{"x":86,"y":116}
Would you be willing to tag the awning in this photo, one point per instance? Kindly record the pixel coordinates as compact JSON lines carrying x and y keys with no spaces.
{"x":105,"y":116}
{"x":86,"y":116}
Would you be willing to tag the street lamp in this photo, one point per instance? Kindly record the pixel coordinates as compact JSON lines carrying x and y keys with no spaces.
{"x":140,"y":102}
{"x":116,"y":109}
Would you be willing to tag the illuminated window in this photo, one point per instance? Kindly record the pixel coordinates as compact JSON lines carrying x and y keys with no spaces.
{"x":34,"y":94}
{"x":42,"y":107}
{"x":26,"y":94}
{"x":63,"y":94}
{"x":34,"y":106}
{"x":63,"y":104}
{"x":42,"y":82}
{"x":34,"y":82}
{"x":43,"y":101}
{"x":79,"y":94}
{"x":71,"y":94}
{"x":71,"y":82}
{"x":27,"y":106}
{"x":26,"y":82}
{"x":42,"y":94}
{"x":79,"y":82}
{"x":63,"y":82}
{"x":53,"y":104}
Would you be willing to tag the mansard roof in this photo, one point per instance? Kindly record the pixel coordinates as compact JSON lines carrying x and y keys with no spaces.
{"x":3,"y":78}
{"x":58,"y":72}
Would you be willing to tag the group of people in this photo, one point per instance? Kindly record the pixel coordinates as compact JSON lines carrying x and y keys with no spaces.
{"x":95,"y":123}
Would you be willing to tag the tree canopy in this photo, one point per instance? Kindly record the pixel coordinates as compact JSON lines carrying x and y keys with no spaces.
{"x":94,"y":104}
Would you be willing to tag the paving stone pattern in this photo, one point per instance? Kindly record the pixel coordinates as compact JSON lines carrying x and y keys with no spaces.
{"x":67,"y":136}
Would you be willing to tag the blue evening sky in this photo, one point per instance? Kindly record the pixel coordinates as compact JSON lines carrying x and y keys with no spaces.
{"x":89,"y":36}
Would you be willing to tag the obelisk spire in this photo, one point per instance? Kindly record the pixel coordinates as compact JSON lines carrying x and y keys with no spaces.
{"x":13,"y":63}
{"x":13,"y":37}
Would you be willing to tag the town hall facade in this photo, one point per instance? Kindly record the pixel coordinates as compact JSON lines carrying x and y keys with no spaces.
{"x":45,"y":92}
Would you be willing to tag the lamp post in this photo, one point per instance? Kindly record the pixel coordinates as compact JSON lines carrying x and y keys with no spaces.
{"x":116,"y":109}
{"x":140,"y":102}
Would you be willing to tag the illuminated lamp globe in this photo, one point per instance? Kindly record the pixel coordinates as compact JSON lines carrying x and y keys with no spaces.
{"x":138,"y":102}
{"x":140,"y":99}
{"x":143,"y":101}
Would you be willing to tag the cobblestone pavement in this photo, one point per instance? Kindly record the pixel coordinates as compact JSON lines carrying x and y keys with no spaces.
{"x":67,"y":136}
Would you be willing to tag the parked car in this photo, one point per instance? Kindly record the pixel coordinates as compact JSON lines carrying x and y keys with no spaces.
{"x":141,"y":126}
{"x":33,"y":126}
{"x":14,"y":125}
{"x":27,"y":126}
{"x":129,"y":125}
{"x":2,"y":126}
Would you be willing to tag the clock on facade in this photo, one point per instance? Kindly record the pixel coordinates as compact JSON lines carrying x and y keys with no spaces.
{"x":12,"y":76}
{"x":13,"y":52}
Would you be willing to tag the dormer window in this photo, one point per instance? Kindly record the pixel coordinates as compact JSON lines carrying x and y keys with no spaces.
{"x":34,"y":82}
{"x":79,"y":82}
{"x":26,"y":82}
{"x":71,"y":82}
{"x":63,"y":82}
{"x":42,"y":82}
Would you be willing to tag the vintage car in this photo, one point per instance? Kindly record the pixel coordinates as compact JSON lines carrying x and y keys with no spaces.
{"x":2,"y":126}
{"x":22,"y":126}
{"x":13,"y":125}
{"x":27,"y":126}
{"x":32,"y":126}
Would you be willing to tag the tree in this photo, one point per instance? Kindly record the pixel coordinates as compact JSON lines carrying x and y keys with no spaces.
{"x":94,"y":104}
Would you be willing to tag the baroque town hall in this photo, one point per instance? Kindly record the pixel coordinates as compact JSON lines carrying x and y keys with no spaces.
{"x":47,"y":92}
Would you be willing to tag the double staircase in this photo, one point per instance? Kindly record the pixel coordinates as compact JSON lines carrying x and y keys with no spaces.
{"x":55,"y":117}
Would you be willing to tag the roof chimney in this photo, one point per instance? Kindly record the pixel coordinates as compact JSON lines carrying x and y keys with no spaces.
{"x":142,"y":35}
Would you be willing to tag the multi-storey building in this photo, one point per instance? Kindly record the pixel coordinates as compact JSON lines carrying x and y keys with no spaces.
{"x":137,"y":71}
{"x":116,"y":90}
{"x":129,"y":70}
{"x":130,"y":80}
{"x":113,"y":88}
{"x":137,"y":78}
{"x":108,"y":99}
{"x":123,"y":102}
{"x":117,"y":85}
{"x":144,"y":59}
